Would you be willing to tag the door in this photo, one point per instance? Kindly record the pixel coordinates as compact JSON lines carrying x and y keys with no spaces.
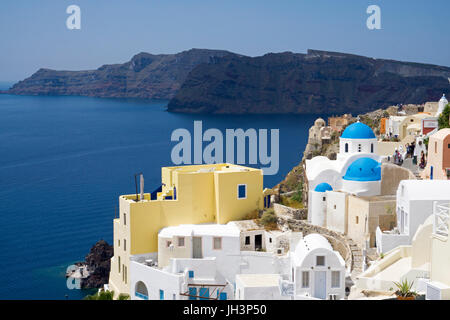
{"x":197,"y":248}
{"x":204,"y":294}
{"x":320,"y":284}
{"x":258,"y":242}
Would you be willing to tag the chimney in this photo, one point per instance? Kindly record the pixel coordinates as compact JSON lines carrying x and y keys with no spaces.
{"x":142,"y":186}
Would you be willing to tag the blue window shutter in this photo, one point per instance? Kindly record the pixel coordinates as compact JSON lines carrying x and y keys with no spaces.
{"x":204,"y":293}
{"x":192,"y":292}
{"x":191,"y":274}
{"x":161,"y":294}
{"x":223,"y":296}
{"x":242,"y":191}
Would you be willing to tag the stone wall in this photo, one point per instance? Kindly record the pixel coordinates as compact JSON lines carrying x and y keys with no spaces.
{"x":338,"y":241}
{"x":298,"y":214}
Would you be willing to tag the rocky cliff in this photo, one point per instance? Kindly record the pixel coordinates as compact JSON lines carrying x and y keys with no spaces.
{"x":317,"y":82}
{"x":144,"y":76}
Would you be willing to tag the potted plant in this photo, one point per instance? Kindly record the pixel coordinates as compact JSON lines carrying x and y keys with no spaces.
{"x":404,"y":290}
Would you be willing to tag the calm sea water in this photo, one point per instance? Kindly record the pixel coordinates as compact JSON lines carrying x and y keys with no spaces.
{"x":65,"y":160}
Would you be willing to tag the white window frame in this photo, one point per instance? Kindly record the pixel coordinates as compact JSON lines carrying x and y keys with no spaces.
{"x":245,"y":185}
{"x":324,"y":262}
{"x":303,"y":279}
{"x":214,"y":243}
{"x":333,"y":285}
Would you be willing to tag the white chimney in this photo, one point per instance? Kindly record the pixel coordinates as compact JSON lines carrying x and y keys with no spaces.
{"x":142,"y":186}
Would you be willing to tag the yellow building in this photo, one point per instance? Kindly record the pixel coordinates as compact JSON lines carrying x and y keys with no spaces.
{"x":215,"y":193}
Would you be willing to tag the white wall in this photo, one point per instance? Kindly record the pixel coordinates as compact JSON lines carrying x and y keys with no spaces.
{"x":332,"y":263}
{"x":336,"y":211}
{"x":154,"y":279}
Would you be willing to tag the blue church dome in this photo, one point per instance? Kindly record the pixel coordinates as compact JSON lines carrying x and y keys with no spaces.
{"x":322,"y":187}
{"x":358,"y":130}
{"x":364,"y":169}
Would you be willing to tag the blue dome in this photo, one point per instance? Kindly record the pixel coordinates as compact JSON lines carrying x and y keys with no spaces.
{"x":364,"y":169}
{"x":322,"y":187}
{"x":358,"y":130}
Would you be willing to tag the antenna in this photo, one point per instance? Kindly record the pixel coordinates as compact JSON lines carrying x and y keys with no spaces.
{"x":136,"y":184}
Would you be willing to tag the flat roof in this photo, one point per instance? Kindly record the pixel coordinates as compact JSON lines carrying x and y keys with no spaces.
{"x":216,"y":167}
{"x":210,"y":229}
{"x":259,"y":280}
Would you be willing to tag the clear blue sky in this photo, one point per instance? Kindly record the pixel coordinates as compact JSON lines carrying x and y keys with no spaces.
{"x":33,"y":34}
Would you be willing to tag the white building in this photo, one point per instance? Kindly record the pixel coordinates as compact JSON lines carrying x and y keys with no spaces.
{"x":259,"y":287}
{"x":199,"y":262}
{"x":442,"y":103}
{"x":318,"y":272}
{"x":356,"y":171}
{"x":415,"y":199}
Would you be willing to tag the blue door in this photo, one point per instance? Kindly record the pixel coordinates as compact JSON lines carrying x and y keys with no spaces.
{"x":223,"y":296}
{"x":320,"y":284}
{"x":204,"y":294}
{"x":161,"y":294}
{"x":192,"y":292}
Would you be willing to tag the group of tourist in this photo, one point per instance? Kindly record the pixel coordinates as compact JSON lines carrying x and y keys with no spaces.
{"x":413,"y":152}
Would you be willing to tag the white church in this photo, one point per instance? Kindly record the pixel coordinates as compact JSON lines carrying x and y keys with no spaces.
{"x":356,"y":171}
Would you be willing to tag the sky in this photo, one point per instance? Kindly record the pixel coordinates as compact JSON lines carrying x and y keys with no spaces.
{"x":33,"y":34}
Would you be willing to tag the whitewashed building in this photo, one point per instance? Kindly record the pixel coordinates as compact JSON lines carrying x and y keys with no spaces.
{"x":415,"y":199}
{"x":356,"y":171}
{"x":318,"y":272}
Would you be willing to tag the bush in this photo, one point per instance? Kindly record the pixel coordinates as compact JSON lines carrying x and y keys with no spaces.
{"x":443,"y":120}
{"x":268,"y":218}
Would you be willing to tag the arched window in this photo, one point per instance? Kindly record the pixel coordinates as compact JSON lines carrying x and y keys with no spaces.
{"x":141,"y":290}
{"x":371,"y":148}
{"x":346,"y":147}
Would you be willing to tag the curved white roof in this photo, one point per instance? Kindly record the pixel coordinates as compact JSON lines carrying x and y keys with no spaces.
{"x":308,"y":244}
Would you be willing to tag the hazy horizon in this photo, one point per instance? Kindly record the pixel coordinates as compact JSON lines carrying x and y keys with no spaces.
{"x":34,"y":35}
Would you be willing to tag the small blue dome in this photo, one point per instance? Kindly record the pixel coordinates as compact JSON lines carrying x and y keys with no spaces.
{"x":358,"y":130}
{"x":364,"y":169}
{"x":322,"y":187}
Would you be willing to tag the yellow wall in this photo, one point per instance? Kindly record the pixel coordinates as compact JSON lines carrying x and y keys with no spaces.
{"x":202,"y":197}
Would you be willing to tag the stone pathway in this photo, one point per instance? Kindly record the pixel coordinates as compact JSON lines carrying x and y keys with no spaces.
{"x":357,"y":258}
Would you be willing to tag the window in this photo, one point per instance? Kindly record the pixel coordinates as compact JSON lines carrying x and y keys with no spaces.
{"x":435,"y":147}
{"x":334,"y":207}
{"x":118,"y":242}
{"x":346,"y":147}
{"x":141,"y":290}
{"x":242,"y":191}
{"x":124,"y":219}
{"x":181,"y":241}
{"x":168,"y":243}
{"x":247,"y":240}
{"x":270,"y":240}
{"x":371,"y":148}
{"x":305,"y":279}
{"x":217,"y":243}
{"x":124,"y":244}
{"x":125,"y":271}
{"x":324,"y":199}
{"x":119,"y":264}
{"x":191,"y":274}
{"x":320,"y":260}
{"x":192,"y":293}
{"x":357,"y":219}
{"x":335,"y":279}
{"x":161,"y":294}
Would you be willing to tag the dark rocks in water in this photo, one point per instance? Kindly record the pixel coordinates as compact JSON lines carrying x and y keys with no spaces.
{"x":318,"y":82}
{"x":98,"y":262}
{"x":145,"y":76}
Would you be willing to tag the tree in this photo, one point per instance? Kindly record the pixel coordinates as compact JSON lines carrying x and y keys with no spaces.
{"x":443,"y":120}
{"x":106,"y":295}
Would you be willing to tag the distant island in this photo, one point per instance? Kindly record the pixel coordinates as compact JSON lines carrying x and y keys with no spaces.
{"x":222,"y":82}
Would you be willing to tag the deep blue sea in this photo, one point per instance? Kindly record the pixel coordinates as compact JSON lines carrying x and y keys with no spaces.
{"x":65,"y":160}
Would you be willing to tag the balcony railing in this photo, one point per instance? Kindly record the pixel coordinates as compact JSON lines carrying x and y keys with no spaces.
{"x":441,"y":212}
